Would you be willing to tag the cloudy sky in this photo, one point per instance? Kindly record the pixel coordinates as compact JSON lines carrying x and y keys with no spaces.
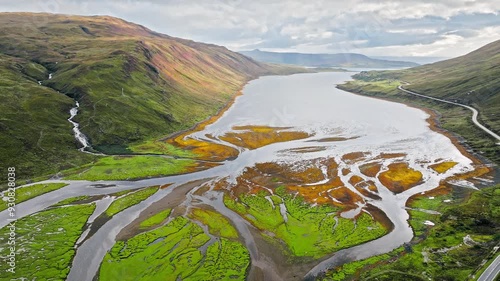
{"x":443,"y":28}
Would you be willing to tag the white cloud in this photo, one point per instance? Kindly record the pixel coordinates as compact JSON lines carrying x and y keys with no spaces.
{"x":434,"y":27}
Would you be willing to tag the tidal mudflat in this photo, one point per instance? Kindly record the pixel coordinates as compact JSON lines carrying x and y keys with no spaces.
{"x":303,"y":178}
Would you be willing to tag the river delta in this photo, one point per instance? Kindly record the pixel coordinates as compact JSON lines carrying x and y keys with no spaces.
{"x":293,"y":179}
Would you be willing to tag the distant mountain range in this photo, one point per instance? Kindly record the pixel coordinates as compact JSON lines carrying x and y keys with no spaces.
{"x":415,"y":59}
{"x":326,"y":60}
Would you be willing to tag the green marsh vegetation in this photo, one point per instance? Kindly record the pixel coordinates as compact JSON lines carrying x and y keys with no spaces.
{"x":32,"y":191}
{"x":129,"y":200}
{"x":307,"y":231}
{"x":172,"y":252}
{"x":45,"y":243}
{"x":217,"y":224}
{"x":129,"y":168}
{"x":441,"y":252}
{"x":155,"y":219}
{"x":72,"y":200}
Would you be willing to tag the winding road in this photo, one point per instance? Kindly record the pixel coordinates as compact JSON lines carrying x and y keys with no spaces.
{"x":491,"y":272}
{"x":475,"y":113}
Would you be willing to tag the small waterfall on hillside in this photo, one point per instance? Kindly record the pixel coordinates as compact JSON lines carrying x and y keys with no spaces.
{"x":80,"y":137}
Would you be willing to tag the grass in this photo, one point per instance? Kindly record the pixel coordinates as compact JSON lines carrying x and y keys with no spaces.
{"x":225,"y":260}
{"x":144,"y":256}
{"x":36,"y":137}
{"x":438,"y":253}
{"x":160,"y":147}
{"x":26,"y":193}
{"x":155,"y":219}
{"x":129,"y":200}
{"x":72,"y":200}
{"x":309,"y":231}
{"x":217,"y":224}
{"x":45,"y":243}
{"x":130,"y":168}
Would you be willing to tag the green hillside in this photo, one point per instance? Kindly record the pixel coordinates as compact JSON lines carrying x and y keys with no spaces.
{"x":133,"y":84}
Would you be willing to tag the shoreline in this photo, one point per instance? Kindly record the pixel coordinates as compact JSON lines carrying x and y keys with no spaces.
{"x":433,"y":121}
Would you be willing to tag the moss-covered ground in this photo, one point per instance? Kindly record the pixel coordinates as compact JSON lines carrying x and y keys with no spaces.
{"x":307,"y":231}
{"x":172,"y":252}
{"x":44,"y":243}
{"x":129,"y":200}
{"x":130,"y":168}
{"x":155,"y":219}
{"x":441,"y":252}
{"x":217,"y":224}
{"x":72,"y":200}
{"x":25,"y":193}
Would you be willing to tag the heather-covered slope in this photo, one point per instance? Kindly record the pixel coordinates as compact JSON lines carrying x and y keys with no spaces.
{"x":132,"y":84}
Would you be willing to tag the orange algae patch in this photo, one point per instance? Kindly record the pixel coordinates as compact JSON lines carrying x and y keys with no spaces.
{"x":331,"y":167}
{"x":370,"y":169}
{"x":477,"y":172}
{"x":354,"y":157}
{"x":346,"y":196}
{"x":355,"y":180}
{"x":443,"y":166}
{"x":205,"y":150}
{"x":253,"y":137}
{"x":345,"y":171}
{"x":400,"y":177}
{"x":288,"y":175}
{"x":316,"y":193}
{"x":390,"y":155}
{"x":364,"y":187}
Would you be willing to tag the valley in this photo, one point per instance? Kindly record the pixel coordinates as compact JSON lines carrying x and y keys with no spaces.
{"x":137,"y":155}
{"x":290,"y":194}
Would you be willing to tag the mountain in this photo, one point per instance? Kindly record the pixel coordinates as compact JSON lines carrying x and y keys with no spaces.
{"x":326,"y":60}
{"x":472,"y":79}
{"x":415,"y":59}
{"x":132,"y":84}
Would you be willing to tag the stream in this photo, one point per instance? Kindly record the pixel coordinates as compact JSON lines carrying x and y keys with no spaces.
{"x":79,"y":136}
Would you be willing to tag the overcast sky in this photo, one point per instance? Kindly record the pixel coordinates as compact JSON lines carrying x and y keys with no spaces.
{"x":444,"y":28}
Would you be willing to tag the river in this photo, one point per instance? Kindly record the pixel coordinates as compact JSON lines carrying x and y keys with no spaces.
{"x":302,"y":102}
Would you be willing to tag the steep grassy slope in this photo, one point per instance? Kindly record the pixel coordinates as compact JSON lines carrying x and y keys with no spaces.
{"x":35,"y":136}
{"x":132,"y":83}
{"x":326,"y":60}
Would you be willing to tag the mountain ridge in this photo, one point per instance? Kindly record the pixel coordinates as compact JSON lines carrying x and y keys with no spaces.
{"x":132,"y":84}
{"x":325,"y":60}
